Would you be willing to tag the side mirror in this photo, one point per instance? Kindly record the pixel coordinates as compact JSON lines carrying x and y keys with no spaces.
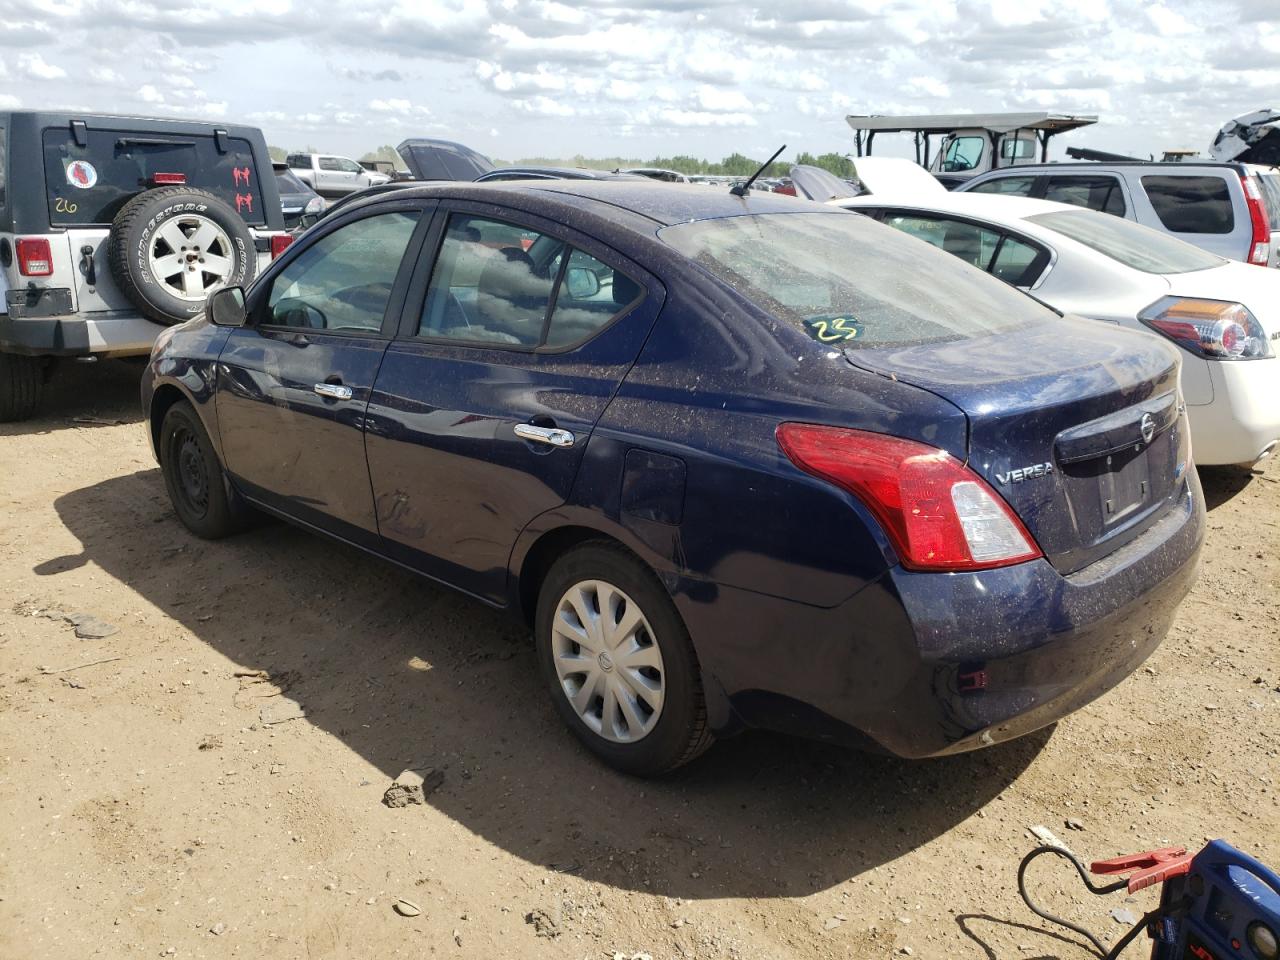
{"x":582,"y":283}
{"x":226,"y":307}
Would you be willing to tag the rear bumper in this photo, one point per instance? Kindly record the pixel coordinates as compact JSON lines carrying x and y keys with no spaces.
{"x":927,"y":664}
{"x":1242,"y":424}
{"x":83,"y":335}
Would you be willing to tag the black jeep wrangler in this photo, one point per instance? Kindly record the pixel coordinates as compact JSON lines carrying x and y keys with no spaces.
{"x":112,"y":228}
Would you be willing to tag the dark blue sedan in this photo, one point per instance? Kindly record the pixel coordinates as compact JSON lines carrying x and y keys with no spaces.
{"x":739,"y":461}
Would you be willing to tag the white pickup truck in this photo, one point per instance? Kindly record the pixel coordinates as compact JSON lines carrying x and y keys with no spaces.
{"x":332,"y":176}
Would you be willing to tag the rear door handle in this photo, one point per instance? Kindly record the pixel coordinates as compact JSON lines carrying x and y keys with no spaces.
{"x":335,"y":391}
{"x":553,"y":436}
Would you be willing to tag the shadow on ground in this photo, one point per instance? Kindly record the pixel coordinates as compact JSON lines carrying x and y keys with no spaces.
{"x":78,"y":395}
{"x":405,"y":672}
{"x":1223,"y":484}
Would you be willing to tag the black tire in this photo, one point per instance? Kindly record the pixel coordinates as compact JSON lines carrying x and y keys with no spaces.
{"x":194,"y":477}
{"x":21,"y":383}
{"x":680,"y":733}
{"x":137,"y":232}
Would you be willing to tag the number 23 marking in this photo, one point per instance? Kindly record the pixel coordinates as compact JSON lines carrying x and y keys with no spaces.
{"x":829,"y":331}
{"x":64,"y":206}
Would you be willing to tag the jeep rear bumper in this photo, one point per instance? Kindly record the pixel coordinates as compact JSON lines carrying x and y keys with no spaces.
{"x":106,"y":334}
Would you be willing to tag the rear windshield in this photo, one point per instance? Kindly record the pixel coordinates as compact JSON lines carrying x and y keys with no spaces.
{"x":1188,"y":204}
{"x":287,"y":182}
{"x":849,"y":281}
{"x":89,"y":185}
{"x":1129,"y":243}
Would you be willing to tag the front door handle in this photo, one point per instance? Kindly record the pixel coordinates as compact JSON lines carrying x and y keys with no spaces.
{"x":552,"y":436}
{"x":334,"y":391}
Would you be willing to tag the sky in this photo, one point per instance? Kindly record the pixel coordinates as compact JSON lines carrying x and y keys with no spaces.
{"x":521,"y":78}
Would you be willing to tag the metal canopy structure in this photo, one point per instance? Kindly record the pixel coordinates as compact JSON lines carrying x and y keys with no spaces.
{"x":923,"y":126}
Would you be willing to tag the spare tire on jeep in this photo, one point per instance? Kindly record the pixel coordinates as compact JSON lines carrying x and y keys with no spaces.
{"x":173,"y":246}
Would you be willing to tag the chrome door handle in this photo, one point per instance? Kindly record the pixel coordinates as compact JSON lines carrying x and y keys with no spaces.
{"x":335,"y":391}
{"x":549,"y":435}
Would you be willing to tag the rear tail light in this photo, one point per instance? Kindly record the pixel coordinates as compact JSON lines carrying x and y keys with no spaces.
{"x":937,"y":513}
{"x":280,"y":243}
{"x":1260,"y":246}
{"x":35,"y":258}
{"x":1215,"y":329}
{"x":168,"y":179}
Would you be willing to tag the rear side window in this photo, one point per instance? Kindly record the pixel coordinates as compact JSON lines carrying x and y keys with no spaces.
{"x":89,"y":184}
{"x":3,"y":154}
{"x":1269,"y":183}
{"x":1009,"y":186}
{"x":287,"y":182}
{"x":1187,"y":204}
{"x":343,"y":281}
{"x":1092,"y":193}
{"x":837,"y":273}
{"x":1129,"y":243}
{"x":1012,"y":260}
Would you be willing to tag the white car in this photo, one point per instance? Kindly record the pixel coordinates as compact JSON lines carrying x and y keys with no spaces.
{"x":1224,"y":315}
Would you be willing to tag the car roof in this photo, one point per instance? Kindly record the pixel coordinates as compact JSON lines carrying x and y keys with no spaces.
{"x":564,"y":173}
{"x":656,"y":202}
{"x":49,"y":118}
{"x":1075,"y":166}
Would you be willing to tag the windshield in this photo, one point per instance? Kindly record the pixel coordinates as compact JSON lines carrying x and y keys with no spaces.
{"x":288,"y":182}
{"x":1129,"y":243}
{"x":847,"y":280}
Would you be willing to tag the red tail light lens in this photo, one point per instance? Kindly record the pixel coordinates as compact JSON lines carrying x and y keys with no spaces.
{"x":35,"y":258}
{"x":1260,"y":247}
{"x":168,"y":179}
{"x":937,"y":513}
{"x":280,"y":242}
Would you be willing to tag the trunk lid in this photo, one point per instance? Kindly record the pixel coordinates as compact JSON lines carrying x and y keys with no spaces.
{"x":430,"y":159}
{"x":1076,"y":424}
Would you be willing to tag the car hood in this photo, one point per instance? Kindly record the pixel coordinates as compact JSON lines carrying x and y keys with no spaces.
{"x":897,"y":178}
{"x":1258,"y":288}
{"x":429,"y":159}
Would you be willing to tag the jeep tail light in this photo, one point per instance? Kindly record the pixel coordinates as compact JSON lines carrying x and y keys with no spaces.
{"x":1260,"y":245}
{"x":1214,"y":329}
{"x":168,"y":179}
{"x":937,"y":513}
{"x":280,"y":242}
{"x":35,"y":258}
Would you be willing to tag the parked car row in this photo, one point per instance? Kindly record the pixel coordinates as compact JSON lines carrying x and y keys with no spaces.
{"x":917,"y":478}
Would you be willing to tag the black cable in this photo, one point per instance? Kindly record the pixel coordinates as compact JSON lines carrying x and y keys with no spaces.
{"x":1084,"y":875}
{"x":1161,"y":911}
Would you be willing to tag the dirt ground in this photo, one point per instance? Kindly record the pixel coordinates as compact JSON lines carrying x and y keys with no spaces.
{"x":150,"y":806}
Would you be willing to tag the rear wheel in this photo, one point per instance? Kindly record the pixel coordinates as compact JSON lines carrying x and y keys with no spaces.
{"x":194,"y":477}
{"x":21,"y":383}
{"x":618,"y":661}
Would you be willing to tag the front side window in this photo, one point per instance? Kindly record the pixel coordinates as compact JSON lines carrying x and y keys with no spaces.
{"x":1188,"y":204}
{"x":496,"y":283}
{"x":877,"y":286}
{"x":1092,"y":193}
{"x":963,"y":153}
{"x":343,"y":281}
{"x":1007,"y":186}
{"x":350,"y":166}
{"x":89,"y":184}
{"x":329,"y":164}
{"x":1129,"y":243}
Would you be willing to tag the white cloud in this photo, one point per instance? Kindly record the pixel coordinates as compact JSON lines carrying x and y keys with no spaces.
{"x":105,"y":75}
{"x":35,"y":67}
{"x":9,"y":102}
{"x":399,"y":106}
{"x":149,"y":94}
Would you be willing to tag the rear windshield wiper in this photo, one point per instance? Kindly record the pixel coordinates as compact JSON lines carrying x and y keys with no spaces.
{"x":153,"y":142}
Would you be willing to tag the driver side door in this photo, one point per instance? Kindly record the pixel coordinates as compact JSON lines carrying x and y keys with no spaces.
{"x":293,"y":384}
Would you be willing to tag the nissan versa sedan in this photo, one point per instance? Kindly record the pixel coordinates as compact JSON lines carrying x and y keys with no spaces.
{"x":738,"y":461}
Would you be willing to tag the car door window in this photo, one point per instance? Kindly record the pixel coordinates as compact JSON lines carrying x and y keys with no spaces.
{"x":328,"y":163}
{"x":1191,"y":204}
{"x":350,"y":166}
{"x":963,"y":153}
{"x":971,"y":243}
{"x":1008,"y":186}
{"x":1018,"y":263}
{"x":590,"y":295}
{"x":343,"y":281}
{"x":1092,"y":192}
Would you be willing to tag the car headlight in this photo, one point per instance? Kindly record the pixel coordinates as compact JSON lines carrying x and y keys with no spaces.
{"x":1216,"y":329}
{"x":314,"y":205}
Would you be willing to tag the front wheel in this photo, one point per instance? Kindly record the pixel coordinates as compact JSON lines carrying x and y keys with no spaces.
{"x":194,"y":477}
{"x":618,"y":661}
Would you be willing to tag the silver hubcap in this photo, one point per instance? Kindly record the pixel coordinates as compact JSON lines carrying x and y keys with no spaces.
{"x":608,"y":661}
{"x":191,"y":256}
